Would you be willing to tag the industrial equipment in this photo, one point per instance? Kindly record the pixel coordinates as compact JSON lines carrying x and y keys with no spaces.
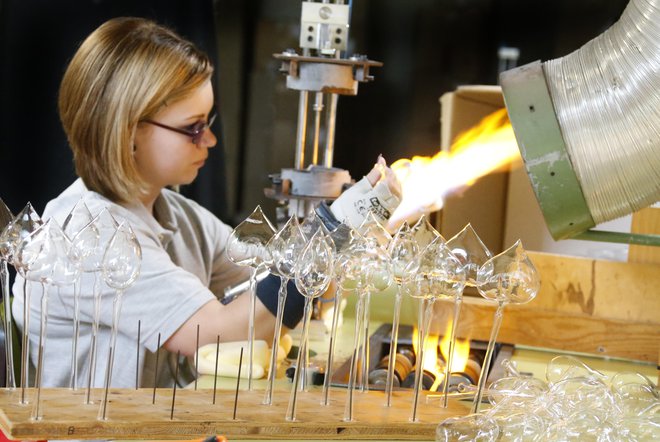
{"x":321,"y":74}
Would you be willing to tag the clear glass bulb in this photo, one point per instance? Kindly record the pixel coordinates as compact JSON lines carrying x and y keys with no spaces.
{"x":247,"y":243}
{"x":473,"y":427}
{"x":77,"y":219}
{"x":424,"y":232}
{"x":22,"y":226}
{"x":470,"y":251}
{"x":122,"y":258}
{"x":404,"y":253}
{"x":5,"y":215}
{"x":92,"y":240}
{"x":509,"y":277}
{"x":285,"y":248}
{"x":314,"y":269}
{"x":372,"y":228}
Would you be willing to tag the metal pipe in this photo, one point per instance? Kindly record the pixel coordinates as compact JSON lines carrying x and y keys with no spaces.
{"x":302,"y":130}
{"x":331,"y":118}
{"x":318,"y":108}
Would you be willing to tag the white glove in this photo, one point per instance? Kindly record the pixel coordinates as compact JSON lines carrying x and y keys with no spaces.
{"x":353,"y":205}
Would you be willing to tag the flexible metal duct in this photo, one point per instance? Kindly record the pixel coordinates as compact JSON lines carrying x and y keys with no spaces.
{"x":604,"y":99}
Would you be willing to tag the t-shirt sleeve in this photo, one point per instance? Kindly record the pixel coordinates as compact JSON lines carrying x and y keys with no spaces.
{"x":163,"y":297}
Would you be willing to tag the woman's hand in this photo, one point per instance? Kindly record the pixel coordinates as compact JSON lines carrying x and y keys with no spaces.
{"x":378,"y":192}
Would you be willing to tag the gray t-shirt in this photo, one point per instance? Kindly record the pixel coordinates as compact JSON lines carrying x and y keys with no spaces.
{"x":183,"y":267}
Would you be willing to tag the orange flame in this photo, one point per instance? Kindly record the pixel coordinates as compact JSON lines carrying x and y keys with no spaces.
{"x":461,"y":351}
{"x":426,"y":181}
{"x":430,"y":361}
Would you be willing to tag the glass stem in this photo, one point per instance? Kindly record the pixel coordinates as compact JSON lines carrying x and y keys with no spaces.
{"x":291,"y":410}
{"x":420,"y":329}
{"x":419,"y":365}
{"x":393,"y":345}
{"x":303,"y":368}
{"x":253,"y":307}
{"x":116,"y":311}
{"x":36,"y":411}
{"x":348,"y":411}
{"x":73,"y":381}
{"x":281,"y":300}
{"x":331,"y":349}
{"x":25,"y":348}
{"x":10,"y":381}
{"x":497,"y":322}
{"x":364,"y":368}
{"x":95,"y":330}
{"x":452,"y":346}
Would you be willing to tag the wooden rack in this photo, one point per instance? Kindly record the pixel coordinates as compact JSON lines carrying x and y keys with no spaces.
{"x":131,"y":415}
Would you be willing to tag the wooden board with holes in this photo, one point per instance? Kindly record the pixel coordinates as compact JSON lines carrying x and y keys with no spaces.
{"x":131,"y":415}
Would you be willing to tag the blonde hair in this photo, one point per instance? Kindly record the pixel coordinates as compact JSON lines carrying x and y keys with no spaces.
{"x":124,"y":72}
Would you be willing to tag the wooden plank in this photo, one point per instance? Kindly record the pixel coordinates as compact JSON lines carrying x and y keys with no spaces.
{"x":597,"y":288}
{"x":537,"y":327}
{"x":131,"y":415}
{"x":584,"y":305}
{"x":645,"y":221}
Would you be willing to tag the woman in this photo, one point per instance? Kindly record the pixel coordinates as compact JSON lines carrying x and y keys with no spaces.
{"x":136,"y":104}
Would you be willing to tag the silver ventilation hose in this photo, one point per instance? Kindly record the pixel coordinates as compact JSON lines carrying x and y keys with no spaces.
{"x":606,"y":97}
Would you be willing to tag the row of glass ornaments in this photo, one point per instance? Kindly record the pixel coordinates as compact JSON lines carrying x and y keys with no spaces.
{"x":46,"y":253}
{"x":367,"y":260}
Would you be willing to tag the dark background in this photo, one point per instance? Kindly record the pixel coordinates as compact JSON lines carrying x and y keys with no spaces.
{"x":428,"y":48}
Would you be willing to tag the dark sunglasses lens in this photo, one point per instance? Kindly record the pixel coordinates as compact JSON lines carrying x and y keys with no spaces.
{"x":198,"y":129}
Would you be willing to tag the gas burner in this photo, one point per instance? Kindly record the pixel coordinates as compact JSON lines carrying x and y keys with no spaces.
{"x":404,"y":368}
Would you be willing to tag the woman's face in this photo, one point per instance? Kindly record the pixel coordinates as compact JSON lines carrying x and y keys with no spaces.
{"x":165,"y":157}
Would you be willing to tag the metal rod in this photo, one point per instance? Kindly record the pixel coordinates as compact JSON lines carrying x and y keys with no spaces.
{"x":153,"y":399}
{"x":318,"y":108}
{"x":137,"y":357}
{"x":215,"y":378}
{"x":176,"y":376}
{"x":238,"y":382}
{"x":330,"y":122}
{"x":197,"y":358}
{"x":117,"y":302}
{"x":301,"y":137}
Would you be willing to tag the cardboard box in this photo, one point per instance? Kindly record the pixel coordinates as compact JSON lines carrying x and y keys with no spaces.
{"x":484,"y":203}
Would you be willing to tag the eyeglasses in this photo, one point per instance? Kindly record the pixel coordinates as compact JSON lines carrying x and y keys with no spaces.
{"x":195,"y":132}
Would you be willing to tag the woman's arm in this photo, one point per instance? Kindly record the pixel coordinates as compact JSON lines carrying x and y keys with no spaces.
{"x":227,"y":321}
